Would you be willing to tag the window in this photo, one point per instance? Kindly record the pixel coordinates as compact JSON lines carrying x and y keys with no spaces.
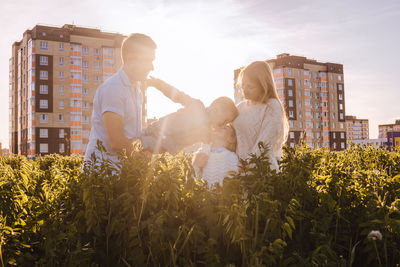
{"x":61,"y":90}
{"x":299,"y":93}
{"x":61,"y":104}
{"x":290,"y":82}
{"x":332,"y":96}
{"x":61,"y":47}
{"x":334,"y":135}
{"x":44,"y":75}
{"x":85,"y":78}
{"x":291,"y":135}
{"x":44,"y":45}
{"x":44,"y":103}
{"x":298,"y":73}
{"x":290,"y":103}
{"x":291,"y":124}
{"x":341,"y":116}
{"x":290,"y":92}
{"x":60,"y":117}
{"x":44,"y":133}
{"x":334,"y":145}
{"x":331,"y":85}
{"x":85,"y":65}
{"x":333,"y":125}
{"x":43,"y":89}
{"x":44,"y":148}
{"x":289,"y":71}
{"x":61,"y":133}
{"x":291,"y":115}
{"x":298,"y":83}
{"x":301,"y":124}
{"x":96,"y":65}
{"x":342,"y":145}
{"x":61,"y":76}
{"x":96,"y":79}
{"x":85,"y":105}
{"x":85,"y":51}
{"x":299,"y":104}
{"x":44,"y":118}
{"x":342,"y":135}
{"x":331,"y":76}
{"x":96,"y":52}
{"x":291,"y":144}
{"x":44,"y":61}
{"x":339,"y":77}
{"x":340,"y":87}
{"x":61,"y":61}
{"x":85,"y":119}
{"x":340,"y":96}
{"x":85,"y":92}
{"x":340,"y":106}
{"x":316,"y":75}
{"x":341,"y":125}
{"x":61,"y":148}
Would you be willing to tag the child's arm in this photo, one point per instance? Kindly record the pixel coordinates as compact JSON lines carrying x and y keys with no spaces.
{"x":171,"y":92}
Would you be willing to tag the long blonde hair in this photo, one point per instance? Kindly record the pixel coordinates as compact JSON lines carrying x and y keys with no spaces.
{"x":261,"y":74}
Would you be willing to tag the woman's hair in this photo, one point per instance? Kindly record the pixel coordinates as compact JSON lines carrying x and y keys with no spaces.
{"x":260,"y":73}
{"x":134,"y":43}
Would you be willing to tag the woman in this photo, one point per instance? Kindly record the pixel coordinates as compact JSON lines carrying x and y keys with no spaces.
{"x":261,"y":117}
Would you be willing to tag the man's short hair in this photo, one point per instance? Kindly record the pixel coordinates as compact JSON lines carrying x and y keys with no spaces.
{"x":135,"y":42}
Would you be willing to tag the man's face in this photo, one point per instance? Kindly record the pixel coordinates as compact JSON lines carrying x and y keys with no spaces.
{"x":139,"y":64}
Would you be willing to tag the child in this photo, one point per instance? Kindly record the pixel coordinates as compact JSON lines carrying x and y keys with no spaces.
{"x":191,"y":124}
{"x":221,"y":156}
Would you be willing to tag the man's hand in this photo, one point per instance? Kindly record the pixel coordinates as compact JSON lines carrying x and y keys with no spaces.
{"x":114,"y":125}
{"x":200,"y":160}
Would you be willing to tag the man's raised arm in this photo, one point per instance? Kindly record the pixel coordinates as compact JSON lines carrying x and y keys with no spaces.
{"x":171,"y":92}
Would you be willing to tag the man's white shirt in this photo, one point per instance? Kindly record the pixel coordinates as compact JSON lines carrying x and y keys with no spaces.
{"x":116,"y":95}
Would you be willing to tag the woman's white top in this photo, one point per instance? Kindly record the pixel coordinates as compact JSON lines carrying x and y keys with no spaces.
{"x":260,"y":123}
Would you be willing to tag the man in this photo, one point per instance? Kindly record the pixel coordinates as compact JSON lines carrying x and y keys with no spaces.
{"x":117,"y":105}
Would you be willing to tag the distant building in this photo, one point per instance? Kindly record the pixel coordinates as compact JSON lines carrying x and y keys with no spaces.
{"x":385,"y":128}
{"x":356,"y":129}
{"x":54,"y":74}
{"x":393,"y":139}
{"x":313,"y":95}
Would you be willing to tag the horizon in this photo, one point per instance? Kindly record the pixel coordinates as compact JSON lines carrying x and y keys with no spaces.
{"x":200,"y":46}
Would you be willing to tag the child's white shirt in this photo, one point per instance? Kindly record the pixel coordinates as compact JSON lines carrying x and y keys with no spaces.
{"x":220,"y":162}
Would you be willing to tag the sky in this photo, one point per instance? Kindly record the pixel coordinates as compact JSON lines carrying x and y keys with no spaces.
{"x":200,"y":43}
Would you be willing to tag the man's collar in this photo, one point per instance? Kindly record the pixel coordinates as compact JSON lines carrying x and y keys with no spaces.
{"x":124,"y":78}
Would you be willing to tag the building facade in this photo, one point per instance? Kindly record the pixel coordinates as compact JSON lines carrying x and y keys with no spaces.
{"x":356,"y":129}
{"x":54,"y":74}
{"x":312,"y":93}
{"x":384,"y":129}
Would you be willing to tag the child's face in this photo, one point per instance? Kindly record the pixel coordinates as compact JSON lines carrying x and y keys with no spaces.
{"x":221,"y":135}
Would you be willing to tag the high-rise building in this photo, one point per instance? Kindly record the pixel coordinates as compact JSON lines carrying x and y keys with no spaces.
{"x":54,"y":73}
{"x":385,"y":128}
{"x":312,"y":93}
{"x":356,"y":129}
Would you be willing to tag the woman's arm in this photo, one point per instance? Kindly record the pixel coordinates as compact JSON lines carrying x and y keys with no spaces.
{"x":271,"y":128}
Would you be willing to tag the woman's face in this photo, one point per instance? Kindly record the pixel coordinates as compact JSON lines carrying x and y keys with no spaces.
{"x":251,"y":90}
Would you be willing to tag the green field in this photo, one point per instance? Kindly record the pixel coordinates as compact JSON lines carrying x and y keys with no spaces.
{"x":318,"y":211}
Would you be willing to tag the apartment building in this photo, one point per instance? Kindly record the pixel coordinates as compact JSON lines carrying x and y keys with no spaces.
{"x":384,"y":129}
{"x":356,"y":129}
{"x":54,"y":74}
{"x":312,"y":93}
